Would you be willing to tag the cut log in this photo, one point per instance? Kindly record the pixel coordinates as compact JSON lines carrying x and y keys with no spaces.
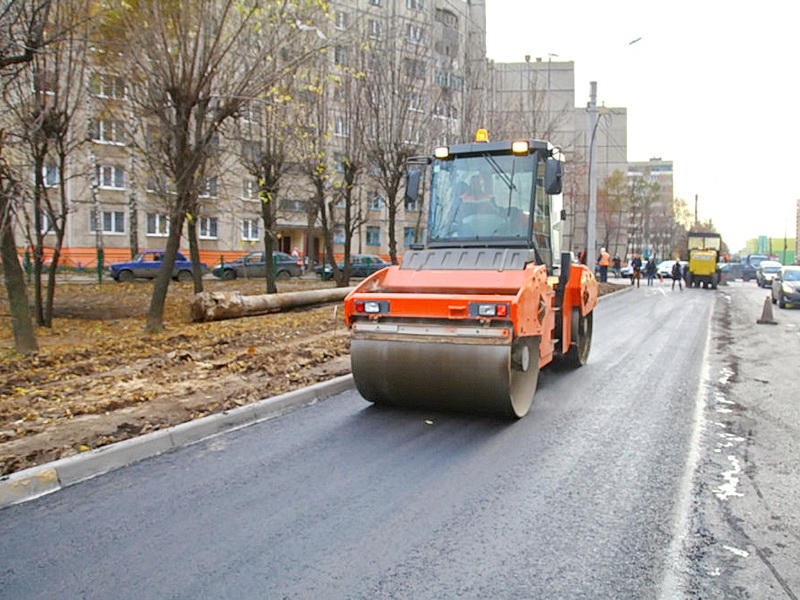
{"x":216,"y":306}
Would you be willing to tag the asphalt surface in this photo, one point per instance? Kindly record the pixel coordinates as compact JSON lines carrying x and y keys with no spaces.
{"x":607,"y":489}
{"x":742,"y":533}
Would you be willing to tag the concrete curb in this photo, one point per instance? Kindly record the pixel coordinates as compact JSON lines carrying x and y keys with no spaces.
{"x":51,"y":477}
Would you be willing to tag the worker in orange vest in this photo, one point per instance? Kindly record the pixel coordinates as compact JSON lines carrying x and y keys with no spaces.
{"x":604,"y":260}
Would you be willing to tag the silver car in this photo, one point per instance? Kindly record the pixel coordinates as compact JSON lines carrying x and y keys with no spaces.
{"x":766,"y":270}
{"x":254,"y":266}
{"x":786,"y":286}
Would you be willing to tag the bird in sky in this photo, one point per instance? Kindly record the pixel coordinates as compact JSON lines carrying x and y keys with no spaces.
{"x":634,"y":41}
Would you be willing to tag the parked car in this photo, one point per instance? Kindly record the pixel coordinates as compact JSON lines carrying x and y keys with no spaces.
{"x":664,"y":268}
{"x":253,"y":266}
{"x":786,"y":286}
{"x":361,"y":265}
{"x":750,"y":265}
{"x":766,"y":271}
{"x":145,"y":265}
{"x":731,"y":271}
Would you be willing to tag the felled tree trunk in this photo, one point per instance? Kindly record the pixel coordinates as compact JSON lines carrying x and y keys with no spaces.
{"x":216,"y":306}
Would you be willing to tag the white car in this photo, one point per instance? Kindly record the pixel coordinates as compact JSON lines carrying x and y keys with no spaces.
{"x":664,"y":268}
{"x":766,"y":271}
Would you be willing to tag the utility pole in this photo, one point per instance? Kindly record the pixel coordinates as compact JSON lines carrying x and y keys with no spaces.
{"x":591,"y":216}
{"x":696,"y":221}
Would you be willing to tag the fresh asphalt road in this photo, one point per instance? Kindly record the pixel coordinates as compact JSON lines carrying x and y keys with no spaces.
{"x":582,"y":498}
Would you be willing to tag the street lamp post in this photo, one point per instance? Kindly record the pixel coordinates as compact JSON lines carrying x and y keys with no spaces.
{"x":591,"y":217}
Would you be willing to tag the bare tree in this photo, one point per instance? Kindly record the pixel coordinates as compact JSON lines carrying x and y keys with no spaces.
{"x":612,"y":204}
{"x":265,"y":138}
{"x":22,"y":27}
{"x":194,"y":67}
{"x":398,"y":102}
{"x":47,"y":129}
{"x":644,"y":194}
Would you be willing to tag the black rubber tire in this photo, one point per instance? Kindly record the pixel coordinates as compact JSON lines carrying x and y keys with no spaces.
{"x":228,"y":275}
{"x":283,"y":275}
{"x":184,"y":276}
{"x":581,"y":345}
{"x":126,"y":276}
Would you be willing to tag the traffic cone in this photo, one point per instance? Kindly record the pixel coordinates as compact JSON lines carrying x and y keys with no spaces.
{"x":766,"y":314}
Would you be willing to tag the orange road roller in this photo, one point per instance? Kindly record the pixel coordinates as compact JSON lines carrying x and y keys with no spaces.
{"x":468,"y":319}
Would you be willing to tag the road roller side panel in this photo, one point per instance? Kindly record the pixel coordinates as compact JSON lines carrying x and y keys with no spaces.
{"x":581,"y":294}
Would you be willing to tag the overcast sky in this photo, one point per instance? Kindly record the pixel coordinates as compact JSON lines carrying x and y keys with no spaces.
{"x":713,"y":86}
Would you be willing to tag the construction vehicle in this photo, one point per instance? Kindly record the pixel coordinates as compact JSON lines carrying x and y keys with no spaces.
{"x":468,"y":319}
{"x":704,"y":249}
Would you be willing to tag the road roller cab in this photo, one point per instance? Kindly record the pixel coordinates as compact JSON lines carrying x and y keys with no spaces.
{"x":467,"y":320}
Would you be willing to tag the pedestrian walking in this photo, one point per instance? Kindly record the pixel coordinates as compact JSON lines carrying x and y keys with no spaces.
{"x":617,"y":267}
{"x":650,"y":270}
{"x":604,"y":260}
{"x":636,"y":273}
{"x":677,"y":275}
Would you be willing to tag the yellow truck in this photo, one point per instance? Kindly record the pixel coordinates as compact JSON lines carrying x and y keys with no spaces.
{"x":704,"y":251}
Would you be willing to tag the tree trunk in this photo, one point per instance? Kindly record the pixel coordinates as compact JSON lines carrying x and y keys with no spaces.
{"x":50,"y":290}
{"x":194,"y":255}
{"x":215,"y":306}
{"x":155,"y":314}
{"x":24,"y":335}
{"x":267,"y":217}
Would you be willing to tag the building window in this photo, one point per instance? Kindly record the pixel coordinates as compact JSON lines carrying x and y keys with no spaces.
{"x":157,"y":225}
{"x":107,"y":131}
{"x":110,"y":177}
{"x":106,"y":85}
{"x":340,"y":55}
{"x":373,"y":235}
{"x":50,"y":174}
{"x":250,"y":189}
{"x":47,"y":225}
{"x":414,"y":68}
{"x":375,"y":30}
{"x":445,"y":111}
{"x":414,"y":101}
{"x":447,"y":80}
{"x":341,"y":19}
{"x":375,"y":201}
{"x":208,"y":228}
{"x":250,"y":230}
{"x":415,"y":33}
{"x":45,"y":81}
{"x":447,"y":18}
{"x":408,"y":236}
{"x":375,"y":2}
{"x":111,"y":221}
{"x":338,"y":234}
{"x":414,"y":5}
{"x":209,"y":189}
{"x":340,"y":127}
{"x":413,"y":205}
{"x":338,"y":162}
{"x":293,"y":205}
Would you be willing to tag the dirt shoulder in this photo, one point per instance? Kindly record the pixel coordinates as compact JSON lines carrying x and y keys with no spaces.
{"x":99,"y":379}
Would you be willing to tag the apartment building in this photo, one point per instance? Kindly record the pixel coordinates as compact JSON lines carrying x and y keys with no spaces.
{"x":116,"y":202}
{"x":437,"y":52}
{"x":651,"y":221}
{"x":537,"y":98}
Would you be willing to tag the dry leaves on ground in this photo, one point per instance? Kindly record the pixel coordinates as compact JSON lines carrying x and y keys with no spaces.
{"x":99,"y":378}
